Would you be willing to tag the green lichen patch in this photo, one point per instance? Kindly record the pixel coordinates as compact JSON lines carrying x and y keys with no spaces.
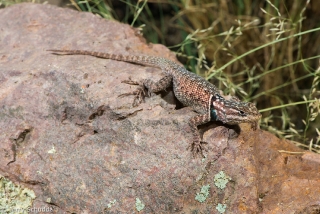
{"x":14,"y":198}
{"x":221,"y":180}
{"x":111,"y":203}
{"x":139,"y":205}
{"x":221,"y":208}
{"x":204,"y":193}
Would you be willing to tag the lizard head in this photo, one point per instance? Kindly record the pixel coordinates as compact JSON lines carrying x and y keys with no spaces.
{"x":233,"y":111}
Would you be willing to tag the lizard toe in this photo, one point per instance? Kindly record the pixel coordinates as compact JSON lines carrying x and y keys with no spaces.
{"x":130,"y":82}
{"x":197,"y":147}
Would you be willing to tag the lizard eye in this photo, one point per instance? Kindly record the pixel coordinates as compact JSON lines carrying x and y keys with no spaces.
{"x":242,"y":113}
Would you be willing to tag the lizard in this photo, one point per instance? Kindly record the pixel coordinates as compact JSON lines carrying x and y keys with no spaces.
{"x":190,"y":89}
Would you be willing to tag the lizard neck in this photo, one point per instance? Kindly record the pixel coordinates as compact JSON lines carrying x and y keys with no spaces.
{"x":215,"y":107}
{"x":213,"y":114}
{"x":232,"y":111}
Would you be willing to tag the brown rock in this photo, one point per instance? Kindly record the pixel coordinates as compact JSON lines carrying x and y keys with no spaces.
{"x":66,"y":135}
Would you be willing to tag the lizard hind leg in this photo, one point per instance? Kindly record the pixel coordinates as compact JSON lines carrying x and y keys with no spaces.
{"x":146,"y":88}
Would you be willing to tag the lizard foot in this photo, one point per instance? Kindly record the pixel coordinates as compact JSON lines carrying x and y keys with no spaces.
{"x":139,"y":93}
{"x":197,"y":148}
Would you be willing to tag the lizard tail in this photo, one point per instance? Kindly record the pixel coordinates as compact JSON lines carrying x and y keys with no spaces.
{"x":126,"y":58}
{"x":160,"y":62}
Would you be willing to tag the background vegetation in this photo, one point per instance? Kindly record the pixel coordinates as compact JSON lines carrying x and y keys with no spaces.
{"x":265,"y":52}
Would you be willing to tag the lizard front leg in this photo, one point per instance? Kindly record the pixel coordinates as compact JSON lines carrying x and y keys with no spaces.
{"x":196,"y":145}
{"x":147,"y":87}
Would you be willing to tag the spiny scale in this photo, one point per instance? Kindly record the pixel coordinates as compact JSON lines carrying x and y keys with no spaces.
{"x":190,"y":89}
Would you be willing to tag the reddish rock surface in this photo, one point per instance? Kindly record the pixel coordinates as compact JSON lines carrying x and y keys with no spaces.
{"x":66,"y":135}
